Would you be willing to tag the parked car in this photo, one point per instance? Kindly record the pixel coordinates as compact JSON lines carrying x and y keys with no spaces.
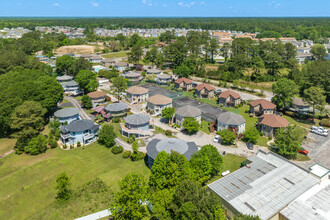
{"x":319,"y":131}
{"x":303,"y":151}
{"x":218,"y":91}
{"x":216,"y":139}
{"x":250,"y":146}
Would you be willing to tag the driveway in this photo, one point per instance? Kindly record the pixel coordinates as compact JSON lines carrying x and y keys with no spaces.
{"x":319,"y":150}
{"x":75,"y":103}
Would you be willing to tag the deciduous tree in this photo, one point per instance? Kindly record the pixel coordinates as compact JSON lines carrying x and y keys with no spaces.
{"x":62,"y":186}
{"x":227,"y":136}
{"x":284,"y":91}
{"x":107,"y":136}
{"x":315,"y":97}
{"x":191,"y":125}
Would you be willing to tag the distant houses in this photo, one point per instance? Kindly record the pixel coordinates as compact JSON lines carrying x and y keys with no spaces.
{"x":187,"y":112}
{"x":137,"y":94}
{"x":97,"y":97}
{"x":184,"y":83}
{"x":139,"y":125}
{"x":262,"y":107}
{"x":231,"y":121}
{"x":158,"y":103}
{"x":268,"y":124}
{"x":67,"y":115}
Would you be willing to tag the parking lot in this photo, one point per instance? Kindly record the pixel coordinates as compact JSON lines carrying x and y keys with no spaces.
{"x":209,"y":112}
{"x":319,"y":150}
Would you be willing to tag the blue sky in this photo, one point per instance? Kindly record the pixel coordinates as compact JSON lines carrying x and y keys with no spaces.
{"x":164,"y":8}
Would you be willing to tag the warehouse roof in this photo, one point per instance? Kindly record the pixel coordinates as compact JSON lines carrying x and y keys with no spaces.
{"x":266,"y":185}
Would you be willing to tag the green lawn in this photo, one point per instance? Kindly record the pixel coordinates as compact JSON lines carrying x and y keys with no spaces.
{"x":115,"y":55}
{"x":262,"y":141}
{"x":302,"y":157}
{"x":231,"y":162}
{"x":27,"y":183}
{"x":213,"y":101}
{"x":6,"y":144}
{"x":205,"y":127}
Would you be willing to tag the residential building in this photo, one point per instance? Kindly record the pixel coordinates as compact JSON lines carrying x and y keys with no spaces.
{"x":97,"y":97}
{"x":83,"y":131}
{"x":71,"y":88}
{"x":137,"y":94}
{"x":154,"y":71}
{"x":95,"y":59}
{"x":299,"y":106}
{"x":118,"y":109}
{"x":184,"y":83}
{"x":229,"y":98}
{"x":265,"y":186}
{"x":262,"y":107}
{"x":163,"y":79}
{"x":204,"y":91}
{"x":157,"y":103}
{"x":169,"y":145}
{"x":133,"y":77}
{"x":67,"y":115}
{"x":64,"y":78}
{"x":231,"y":121}
{"x":187,"y":111}
{"x":268,"y":124}
{"x":120,"y":66}
{"x":108,"y":62}
{"x":139,"y":125}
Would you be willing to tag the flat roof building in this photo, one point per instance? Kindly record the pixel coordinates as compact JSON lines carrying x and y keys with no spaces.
{"x":264,"y":187}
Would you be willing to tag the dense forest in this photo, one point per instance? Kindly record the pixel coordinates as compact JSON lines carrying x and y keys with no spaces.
{"x":300,"y":28}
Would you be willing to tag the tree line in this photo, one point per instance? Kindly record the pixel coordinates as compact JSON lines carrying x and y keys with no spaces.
{"x":316,"y":29}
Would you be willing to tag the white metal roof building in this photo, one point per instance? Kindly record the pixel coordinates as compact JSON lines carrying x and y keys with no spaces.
{"x":264,"y":187}
{"x":314,"y":204}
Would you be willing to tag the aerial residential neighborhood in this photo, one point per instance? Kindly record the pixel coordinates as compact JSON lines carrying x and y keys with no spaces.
{"x":165,"y":110}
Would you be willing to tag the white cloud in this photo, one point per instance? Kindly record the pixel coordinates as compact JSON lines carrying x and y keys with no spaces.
{"x":275,"y":4}
{"x":202,"y":3}
{"x":165,"y":5}
{"x":186,"y":5}
{"x":56,"y":5}
{"x":94,"y":4}
{"x":147,"y":2}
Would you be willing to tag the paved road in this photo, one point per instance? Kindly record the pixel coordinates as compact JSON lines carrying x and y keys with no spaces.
{"x":319,"y":150}
{"x":76,"y":104}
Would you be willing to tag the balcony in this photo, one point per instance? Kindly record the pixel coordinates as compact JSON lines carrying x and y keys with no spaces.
{"x":88,"y":136}
{"x":65,"y":136}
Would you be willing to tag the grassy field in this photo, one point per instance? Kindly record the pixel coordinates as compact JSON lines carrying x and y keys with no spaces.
{"x":205,"y":127}
{"x":231,"y":162}
{"x":262,"y":141}
{"x":6,"y":144}
{"x":302,"y":157}
{"x":27,"y":183}
{"x":115,"y":55}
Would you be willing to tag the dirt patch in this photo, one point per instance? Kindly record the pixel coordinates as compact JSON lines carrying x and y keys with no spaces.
{"x":77,"y":49}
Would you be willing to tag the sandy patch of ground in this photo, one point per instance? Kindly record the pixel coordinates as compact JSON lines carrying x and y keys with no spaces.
{"x":76,"y":49}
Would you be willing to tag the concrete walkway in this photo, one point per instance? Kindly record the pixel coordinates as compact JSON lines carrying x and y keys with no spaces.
{"x":76,"y":104}
{"x":95,"y":216}
{"x":6,"y":154}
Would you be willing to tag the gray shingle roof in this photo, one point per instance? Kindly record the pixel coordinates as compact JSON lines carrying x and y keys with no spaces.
{"x":231,"y":118}
{"x":66,"y":112}
{"x":164,"y":76}
{"x":80,"y":125}
{"x":64,"y":77}
{"x":188,"y":111}
{"x":116,"y":107}
{"x":70,"y":83}
{"x":137,"y":119}
{"x":171,"y":144}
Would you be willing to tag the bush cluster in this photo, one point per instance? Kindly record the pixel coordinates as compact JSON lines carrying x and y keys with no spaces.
{"x":117,"y":149}
{"x":127,"y":154}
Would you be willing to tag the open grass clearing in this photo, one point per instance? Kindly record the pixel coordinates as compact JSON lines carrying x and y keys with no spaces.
{"x":28,"y":182}
{"x":6,"y":144}
{"x":115,"y":55}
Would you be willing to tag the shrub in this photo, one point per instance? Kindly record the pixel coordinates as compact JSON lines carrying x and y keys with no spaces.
{"x":78,"y":144}
{"x":325,"y":122}
{"x":227,"y":136}
{"x":127,"y":154}
{"x":71,"y":146}
{"x":65,"y":147}
{"x":137,"y":156}
{"x":116,"y":119}
{"x":52,"y":143}
{"x":168,"y":133}
{"x":247,"y":111}
{"x":270,"y":138}
{"x":288,"y":113}
{"x":117,"y":149}
{"x":131,"y":139}
{"x":236,"y":106}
